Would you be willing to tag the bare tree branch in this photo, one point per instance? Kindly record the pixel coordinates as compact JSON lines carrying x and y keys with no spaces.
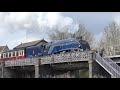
{"x":111,"y":35}
{"x":63,"y":34}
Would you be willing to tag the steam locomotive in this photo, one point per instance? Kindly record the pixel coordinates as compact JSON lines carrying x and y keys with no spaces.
{"x":48,"y":48}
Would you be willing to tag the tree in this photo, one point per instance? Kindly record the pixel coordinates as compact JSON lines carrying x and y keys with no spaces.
{"x":84,"y":33}
{"x":111,"y":36}
{"x":56,"y":34}
{"x":59,"y":35}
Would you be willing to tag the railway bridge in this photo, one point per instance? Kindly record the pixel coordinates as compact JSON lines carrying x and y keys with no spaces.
{"x":62,"y":62}
{"x":65,"y":65}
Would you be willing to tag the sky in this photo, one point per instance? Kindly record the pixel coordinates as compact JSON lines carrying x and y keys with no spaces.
{"x":21,"y":27}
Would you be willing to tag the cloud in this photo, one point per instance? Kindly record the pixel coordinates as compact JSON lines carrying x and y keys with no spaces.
{"x":116,"y":18}
{"x":16,"y":26}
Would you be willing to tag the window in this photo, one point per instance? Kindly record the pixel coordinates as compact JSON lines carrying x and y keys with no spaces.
{"x":16,"y":53}
{"x":4,"y":55}
{"x":21,"y":52}
{"x":10,"y":54}
{"x":13,"y":54}
{"x":44,"y":47}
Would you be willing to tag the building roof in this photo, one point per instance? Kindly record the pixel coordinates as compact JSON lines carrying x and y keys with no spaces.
{"x":28,"y":44}
{"x":1,"y":48}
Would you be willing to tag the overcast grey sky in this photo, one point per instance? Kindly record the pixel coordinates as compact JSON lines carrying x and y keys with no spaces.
{"x":94,"y":21}
{"x":13,"y":25}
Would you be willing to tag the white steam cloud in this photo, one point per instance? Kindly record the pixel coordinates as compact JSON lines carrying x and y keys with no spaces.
{"x":14,"y":25}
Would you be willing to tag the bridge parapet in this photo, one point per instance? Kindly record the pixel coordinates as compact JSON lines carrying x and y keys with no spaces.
{"x":51,"y":59}
{"x":20,"y":62}
{"x":66,"y":57}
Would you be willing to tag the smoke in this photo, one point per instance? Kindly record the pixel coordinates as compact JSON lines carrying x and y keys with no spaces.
{"x":33,"y":20}
{"x":17,"y":27}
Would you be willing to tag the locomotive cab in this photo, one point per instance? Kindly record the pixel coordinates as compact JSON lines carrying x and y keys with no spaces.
{"x":84,"y":44}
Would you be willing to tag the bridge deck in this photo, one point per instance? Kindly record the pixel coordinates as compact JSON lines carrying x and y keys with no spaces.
{"x":51,"y":59}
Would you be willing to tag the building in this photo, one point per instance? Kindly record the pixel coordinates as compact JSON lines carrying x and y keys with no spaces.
{"x":29,"y":44}
{"x":3,"y":48}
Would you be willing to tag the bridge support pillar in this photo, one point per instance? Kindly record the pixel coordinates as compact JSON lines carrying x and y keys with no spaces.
{"x":2,"y":68}
{"x":37,"y":64}
{"x":90,"y":66}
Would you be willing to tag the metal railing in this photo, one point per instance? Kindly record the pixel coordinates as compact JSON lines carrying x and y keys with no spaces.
{"x":110,"y":66}
{"x":113,"y":50}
